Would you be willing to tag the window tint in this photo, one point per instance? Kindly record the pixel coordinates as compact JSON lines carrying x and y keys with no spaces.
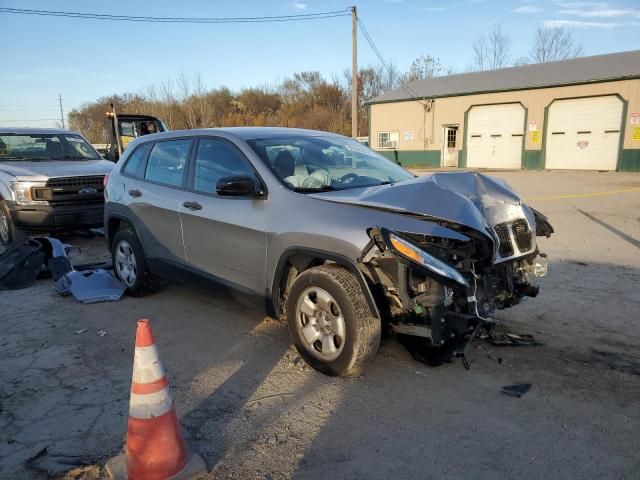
{"x":216,"y":159}
{"x":134,"y":164}
{"x":166,"y":162}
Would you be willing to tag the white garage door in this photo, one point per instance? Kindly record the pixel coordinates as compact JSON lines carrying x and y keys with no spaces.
{"x":494,"y":136}
{"x":584,"y":133}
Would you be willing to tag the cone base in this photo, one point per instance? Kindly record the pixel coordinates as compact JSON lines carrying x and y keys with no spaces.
{"x":116,"y":468}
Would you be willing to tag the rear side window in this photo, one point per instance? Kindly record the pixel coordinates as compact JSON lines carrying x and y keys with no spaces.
{"x":167,"y":161}
{"x":135,"y":163}
{"x":216,"y":159}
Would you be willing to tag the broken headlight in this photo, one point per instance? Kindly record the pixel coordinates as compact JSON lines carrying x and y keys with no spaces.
{"x":23,"y":192}
{"x":406,"y":250}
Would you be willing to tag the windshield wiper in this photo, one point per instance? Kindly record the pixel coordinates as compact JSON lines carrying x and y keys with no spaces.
{"x":69,"y":157}
{"x":323,"y":188}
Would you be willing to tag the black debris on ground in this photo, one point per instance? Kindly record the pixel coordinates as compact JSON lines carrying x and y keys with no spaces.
{"x":517,"y":390}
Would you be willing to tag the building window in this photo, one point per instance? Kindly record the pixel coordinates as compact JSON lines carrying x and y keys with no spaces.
{"x":388,"y":139}
{"x":452,"y":135}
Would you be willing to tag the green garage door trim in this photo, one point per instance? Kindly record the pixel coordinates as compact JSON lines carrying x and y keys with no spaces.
{"x":532,"y":160}
{"x":414,"y":158}
{"x":630,"y":160}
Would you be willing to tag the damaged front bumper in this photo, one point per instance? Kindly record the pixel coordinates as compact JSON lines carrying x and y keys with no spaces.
{"x":443,"y":289}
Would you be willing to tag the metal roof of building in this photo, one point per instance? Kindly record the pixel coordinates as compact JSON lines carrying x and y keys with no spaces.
{"x":613,"y":66}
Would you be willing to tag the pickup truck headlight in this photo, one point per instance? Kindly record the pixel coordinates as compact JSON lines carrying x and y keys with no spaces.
{"x":407,"y":250}
{"x":22,"y":192}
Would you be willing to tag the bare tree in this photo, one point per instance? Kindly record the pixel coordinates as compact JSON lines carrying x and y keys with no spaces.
{"x":425,"y":66}
{"x":492,"y":51}
{"x":554,"y":43}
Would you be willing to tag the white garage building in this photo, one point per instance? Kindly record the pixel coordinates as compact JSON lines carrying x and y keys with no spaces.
{"x":582,"y":113}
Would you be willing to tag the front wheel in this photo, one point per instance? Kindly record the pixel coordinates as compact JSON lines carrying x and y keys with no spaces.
{"x":130,"y":265}
{"x":9,"y":233}
{"x":330,"y":322}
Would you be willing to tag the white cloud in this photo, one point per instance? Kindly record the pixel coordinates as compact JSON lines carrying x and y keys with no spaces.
{"x":527,"y":9}
{"x":434,"y":9}
{"x":300,"y":6}
{"x":579,"y":24}
{"x":602,"y":13}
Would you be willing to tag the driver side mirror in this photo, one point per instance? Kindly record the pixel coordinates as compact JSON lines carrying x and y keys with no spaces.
{"x":238,"y":186}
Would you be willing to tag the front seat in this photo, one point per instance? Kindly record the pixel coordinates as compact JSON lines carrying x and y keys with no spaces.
{"x":284,"y":164}
{"x":54,"y":149}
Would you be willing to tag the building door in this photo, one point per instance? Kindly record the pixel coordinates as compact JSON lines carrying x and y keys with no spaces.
{"x":450,"y":146}
{"x":494,"y":136}
{"x":584,"y":133}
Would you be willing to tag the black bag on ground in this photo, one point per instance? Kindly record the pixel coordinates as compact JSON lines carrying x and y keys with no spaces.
{"x":21,"y":264}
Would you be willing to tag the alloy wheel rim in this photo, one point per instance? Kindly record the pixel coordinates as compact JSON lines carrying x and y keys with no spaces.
{"x":126,"y":265}
{"x":320,"y":324}
{"x":4,"y":227}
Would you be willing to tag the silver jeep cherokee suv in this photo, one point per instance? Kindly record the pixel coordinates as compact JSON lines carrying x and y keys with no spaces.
{"x":337,"y":238}
{"x":50,"y":180}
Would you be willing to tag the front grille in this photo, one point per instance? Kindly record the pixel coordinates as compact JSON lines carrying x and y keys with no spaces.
{"x":94,"y":181}
{"x":65,"y":191}
{"x":522,"y":234}
{"x":505,"y":248}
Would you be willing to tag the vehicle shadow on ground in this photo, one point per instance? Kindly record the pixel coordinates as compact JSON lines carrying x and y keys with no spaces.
{"x":626,"y":237}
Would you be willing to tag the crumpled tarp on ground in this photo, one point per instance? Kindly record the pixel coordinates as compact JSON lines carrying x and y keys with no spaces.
{"x":21,"y":264}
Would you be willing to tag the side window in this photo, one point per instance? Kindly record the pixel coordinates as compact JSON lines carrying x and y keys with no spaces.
{"x":216,"y":159}
{"x":167,"y":161}
{"x":134,"y":164}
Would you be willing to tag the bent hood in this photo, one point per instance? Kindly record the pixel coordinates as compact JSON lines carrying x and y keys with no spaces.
{"x":36,"y":170}
{"x":466,"y":198}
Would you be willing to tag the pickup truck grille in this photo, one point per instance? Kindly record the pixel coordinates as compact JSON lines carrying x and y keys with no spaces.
{"x":65,"y":191}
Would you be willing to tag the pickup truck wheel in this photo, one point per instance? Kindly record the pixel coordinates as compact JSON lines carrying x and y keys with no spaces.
{"x":9,"y":233}
{"x":330,"y":322}
{"x":130,"y":266}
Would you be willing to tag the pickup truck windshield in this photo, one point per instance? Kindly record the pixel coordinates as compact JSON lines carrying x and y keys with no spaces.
{"x":42,"y":147}
{"x":308,"y":163}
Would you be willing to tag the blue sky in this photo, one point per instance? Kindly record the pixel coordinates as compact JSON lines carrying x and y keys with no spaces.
{"x":86,"y":59}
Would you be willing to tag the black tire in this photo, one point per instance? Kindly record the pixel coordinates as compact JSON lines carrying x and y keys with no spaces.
{"x":145,"y":282}
{"x":9,"y":233}
{"x":362,"y":328}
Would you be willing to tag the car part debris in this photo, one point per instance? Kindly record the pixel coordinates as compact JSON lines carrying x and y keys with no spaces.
{"x":517,"y":390}
{"x":502,"y":339}
{"x":82,"y":330}
{"x":91,"y":286}
{"x":21,"y":264}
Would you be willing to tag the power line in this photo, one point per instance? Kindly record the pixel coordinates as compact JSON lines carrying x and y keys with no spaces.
{"x":208,"y":20}
{"x":372,"y":44}
{"x":29,"y":119}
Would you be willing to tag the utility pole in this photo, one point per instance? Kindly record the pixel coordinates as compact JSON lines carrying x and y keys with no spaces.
{"x":61,"y":112}
{"x":354,"y":72}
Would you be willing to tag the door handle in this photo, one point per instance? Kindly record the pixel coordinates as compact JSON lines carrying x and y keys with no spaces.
{"x":192,"y":205}
{"x":135,"y":193}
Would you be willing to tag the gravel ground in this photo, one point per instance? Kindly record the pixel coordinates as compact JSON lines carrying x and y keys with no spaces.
{"x":253,"y":409}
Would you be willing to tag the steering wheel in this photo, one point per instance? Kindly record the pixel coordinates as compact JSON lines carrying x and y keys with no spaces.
{"x":348,"y":178}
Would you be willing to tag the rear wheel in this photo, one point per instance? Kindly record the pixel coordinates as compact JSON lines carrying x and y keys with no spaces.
{"x":9,"y":233}
{"x":130,"y":265}
{"x":330,"y":322}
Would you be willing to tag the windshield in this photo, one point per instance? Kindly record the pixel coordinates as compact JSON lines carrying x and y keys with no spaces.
{"x":26,"y":146}
{"x":309,"y":163}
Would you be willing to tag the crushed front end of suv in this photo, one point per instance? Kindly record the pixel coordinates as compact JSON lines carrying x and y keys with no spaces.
{"x":339,"y":240}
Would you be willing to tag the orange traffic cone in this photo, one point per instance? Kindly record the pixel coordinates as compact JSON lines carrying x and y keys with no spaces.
{"x":155,"y":448}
